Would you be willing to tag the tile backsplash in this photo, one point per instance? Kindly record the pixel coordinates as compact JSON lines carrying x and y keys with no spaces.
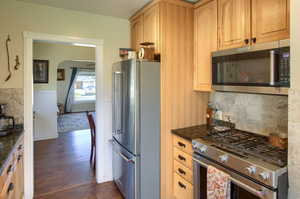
{"x":261,"y":114}
{"x":14,"y":98}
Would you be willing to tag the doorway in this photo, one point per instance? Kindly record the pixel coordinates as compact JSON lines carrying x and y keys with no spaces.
{"x":103,"y":107}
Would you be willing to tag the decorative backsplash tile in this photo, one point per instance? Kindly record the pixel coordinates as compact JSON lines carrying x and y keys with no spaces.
{"x":14,"y":98}
{"x":261,"y":114}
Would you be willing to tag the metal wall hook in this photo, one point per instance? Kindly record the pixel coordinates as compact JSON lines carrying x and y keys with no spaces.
{"x":8,"y":58}
{"x":17,"y":64}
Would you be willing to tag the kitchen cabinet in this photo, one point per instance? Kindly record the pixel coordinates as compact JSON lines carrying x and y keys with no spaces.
{"x":12,"y":176}
{"x":270,"y":20}
{"x":233,"y":23}
{"x":145,"y":28}
{"x":182,"y":168}
{"x":182,"y":188}
{"x":205,"y":27}
{"x":171,"y":24}
{"x":151,"y":26}
{"x":137,"y":33}
{"x":244,"y":22}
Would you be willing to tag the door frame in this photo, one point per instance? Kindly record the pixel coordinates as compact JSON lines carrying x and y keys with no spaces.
{"x":103,"y":103}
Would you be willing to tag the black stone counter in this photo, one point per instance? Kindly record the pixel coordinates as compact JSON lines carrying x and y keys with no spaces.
{"x":192,"y":132}
{"x":7,"y":144}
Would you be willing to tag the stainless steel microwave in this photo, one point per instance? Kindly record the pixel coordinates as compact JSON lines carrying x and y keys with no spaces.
{"x":261,"y":68}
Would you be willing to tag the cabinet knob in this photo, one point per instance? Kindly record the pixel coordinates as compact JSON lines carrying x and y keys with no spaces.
{"x":181,"y":144}
{"x":9,"y":169}
{"x":181,"y":185}
{"x":181,"y":158}
{"x":11,"y":187}
{"x":246,"y":41}
{"x":181,"y":171}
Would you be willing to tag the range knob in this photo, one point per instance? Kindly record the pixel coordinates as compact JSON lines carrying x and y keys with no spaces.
{"x":251,"y":170}
{"x":264,"y":175}
{"x":203,"y":149}
{"x":223,"y":158}
{"x":196,"y":145}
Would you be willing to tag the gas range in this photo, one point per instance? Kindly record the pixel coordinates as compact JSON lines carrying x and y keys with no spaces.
{"x":247,"y":154}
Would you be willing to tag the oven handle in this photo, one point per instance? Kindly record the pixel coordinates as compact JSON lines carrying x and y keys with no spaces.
{"x":259,"y":193}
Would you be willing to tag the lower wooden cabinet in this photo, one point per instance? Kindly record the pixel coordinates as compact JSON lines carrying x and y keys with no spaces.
{"x":182,"y":168}
{"x":12,"y":176}
{"x":182,"y":188}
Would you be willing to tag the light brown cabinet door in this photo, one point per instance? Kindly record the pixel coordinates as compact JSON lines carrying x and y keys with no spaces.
{"x":234,"y":23}
{"x":205,"y":43}
{"x":270,"y":20}
{"x":19,"y":177}
{"x":151,"y":26}
{"x":137,"y":35}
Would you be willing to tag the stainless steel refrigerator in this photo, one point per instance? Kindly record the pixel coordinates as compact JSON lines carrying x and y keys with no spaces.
{"x":136,"y":128}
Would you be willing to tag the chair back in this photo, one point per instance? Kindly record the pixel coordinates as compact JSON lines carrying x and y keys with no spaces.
{"x":91,"y":121}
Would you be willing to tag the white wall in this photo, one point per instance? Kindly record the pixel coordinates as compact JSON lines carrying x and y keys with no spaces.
{"x":45,"y":122}
{"x":17,"y":17}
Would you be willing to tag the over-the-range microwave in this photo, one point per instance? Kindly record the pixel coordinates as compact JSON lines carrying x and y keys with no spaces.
{"x":262,"y":68}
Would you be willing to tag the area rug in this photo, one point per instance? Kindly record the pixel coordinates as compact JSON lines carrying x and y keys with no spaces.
{"x":72,"y":122}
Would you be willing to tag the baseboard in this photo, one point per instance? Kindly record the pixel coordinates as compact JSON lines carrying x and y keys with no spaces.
{"x":46,"y":138}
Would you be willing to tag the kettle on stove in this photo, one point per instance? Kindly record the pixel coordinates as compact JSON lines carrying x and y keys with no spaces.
{"x":6,"y":122}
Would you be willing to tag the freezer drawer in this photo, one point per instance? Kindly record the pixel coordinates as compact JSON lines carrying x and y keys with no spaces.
{"x":125,"y":171}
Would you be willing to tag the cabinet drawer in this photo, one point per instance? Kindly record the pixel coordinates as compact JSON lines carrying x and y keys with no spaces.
{"x":183,"y":171}
{"x":182,"y":188}
{"x":183,"y":158}
{"x":7,"y":191}
{"x":6,"y":172}
{"x":182,"y":144}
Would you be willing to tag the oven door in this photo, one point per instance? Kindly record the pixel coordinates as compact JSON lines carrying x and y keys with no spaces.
{"x":241,"y":187}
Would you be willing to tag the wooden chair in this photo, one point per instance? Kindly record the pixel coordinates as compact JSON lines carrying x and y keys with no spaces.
{"x":93,"y":138}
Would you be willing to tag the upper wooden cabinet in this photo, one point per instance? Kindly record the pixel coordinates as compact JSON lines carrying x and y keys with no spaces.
{"x":247,"y":22}
{"x":234,"y":23}
{"x":137,"y":32}
{"x":145,"y":28}
{"x":270,"y":20}
{"x":205,"y":21}
{"x":151,"y":26}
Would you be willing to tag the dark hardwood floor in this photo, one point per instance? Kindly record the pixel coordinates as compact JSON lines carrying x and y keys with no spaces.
{"x":62,"y":169}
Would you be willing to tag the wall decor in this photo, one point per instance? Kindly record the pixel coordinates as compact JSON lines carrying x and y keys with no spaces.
{"x":60,"y":74}
{"x":40,"y":71}
{"x":8,"y":58}
{"x":17,"y":64}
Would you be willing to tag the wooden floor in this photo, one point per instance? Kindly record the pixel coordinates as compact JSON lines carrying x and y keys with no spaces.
{"x":62,"y":169}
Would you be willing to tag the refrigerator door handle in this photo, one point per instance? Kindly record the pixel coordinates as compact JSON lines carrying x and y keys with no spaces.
{"x":125,"y":158}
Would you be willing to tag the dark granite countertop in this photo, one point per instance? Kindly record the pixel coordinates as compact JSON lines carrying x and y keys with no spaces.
{"x":192,"y":132}
{"x":7,"y":144}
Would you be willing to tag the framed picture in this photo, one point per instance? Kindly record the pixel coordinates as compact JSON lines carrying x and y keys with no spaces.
{"x":60,"y":74}
{"x":40,"y":71}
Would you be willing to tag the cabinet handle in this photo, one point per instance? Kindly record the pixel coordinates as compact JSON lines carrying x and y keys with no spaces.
{"x":181,"y":171}
{"x":20,"y":147}
{"x":246,"y":41}
{"x":254,"y":39}
{"x":11,"y":187}
{"x":181,"y":144}
{"x":181,"y":185}
{"x":9,"y":169}
{"x":181,"y":157}
{"x":19,"y":157}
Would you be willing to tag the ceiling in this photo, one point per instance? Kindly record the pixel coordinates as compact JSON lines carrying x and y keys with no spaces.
{"x":116,"y":8}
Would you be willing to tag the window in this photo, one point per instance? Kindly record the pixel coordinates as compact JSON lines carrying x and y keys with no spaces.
{"x":85,"y":86}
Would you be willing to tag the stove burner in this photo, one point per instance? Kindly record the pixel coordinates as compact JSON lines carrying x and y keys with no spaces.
{"x":248,"y":144}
